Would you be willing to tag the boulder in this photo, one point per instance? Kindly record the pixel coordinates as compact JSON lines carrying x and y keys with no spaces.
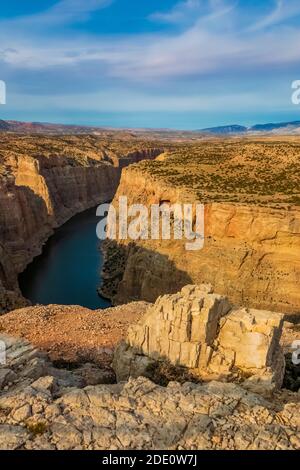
{"x":128,"y":362}
{"x":201,"y":331}
{"x":249,"y":341}
{"x":12,"y":437}
{"x":177,"y":325}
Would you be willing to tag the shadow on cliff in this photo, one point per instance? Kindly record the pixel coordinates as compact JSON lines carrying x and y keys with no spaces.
{"x":34,"y":213}
{"x":27,"y":226}
{"x":131,"y":272}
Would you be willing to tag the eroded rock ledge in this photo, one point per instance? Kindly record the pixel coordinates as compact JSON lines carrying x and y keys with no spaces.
{"x":42,"y":407}
{"x":203,"y":332}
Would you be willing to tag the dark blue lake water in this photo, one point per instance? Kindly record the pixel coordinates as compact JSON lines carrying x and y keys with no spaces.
{"x":68,"y":270}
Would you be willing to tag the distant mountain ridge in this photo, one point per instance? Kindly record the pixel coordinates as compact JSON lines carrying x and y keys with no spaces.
{"x":287,"y":128}
{"x":4,"y":126}
{"x":291,"y":127}
{"x":231,"y":129}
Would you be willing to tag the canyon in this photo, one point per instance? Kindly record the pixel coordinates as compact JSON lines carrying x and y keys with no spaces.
{"x":44,"y":181}
{"x":196,"y":354}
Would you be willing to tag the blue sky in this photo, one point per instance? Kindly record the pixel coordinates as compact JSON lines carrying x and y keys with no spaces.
{"x":183,"y":64}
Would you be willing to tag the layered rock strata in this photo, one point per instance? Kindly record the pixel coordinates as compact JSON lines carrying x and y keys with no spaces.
{"x":250,"y":253}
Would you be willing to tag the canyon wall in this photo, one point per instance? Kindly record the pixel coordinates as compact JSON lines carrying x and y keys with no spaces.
{"x":38,"y":194}
{"x":250,"y":254}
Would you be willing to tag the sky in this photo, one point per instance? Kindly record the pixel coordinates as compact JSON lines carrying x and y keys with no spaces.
{"x":186,"y":64}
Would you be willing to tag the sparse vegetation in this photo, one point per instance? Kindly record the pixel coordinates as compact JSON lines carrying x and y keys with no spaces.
{"x":72,"y":150}
{"x":37,"y":428}
{"x":254,"y":172}
{"x":163,"y":372}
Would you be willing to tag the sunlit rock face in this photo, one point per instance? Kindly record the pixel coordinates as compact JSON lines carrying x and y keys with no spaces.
{"x":250,"y":254}
{"x":201,"y":331}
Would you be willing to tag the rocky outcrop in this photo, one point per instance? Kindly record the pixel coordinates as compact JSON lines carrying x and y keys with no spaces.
{"x":45,"y":408}
{"x":201,"y":331}
{"x":38,"y":194}
{"x":250,"y":252}
{"x":21,"y":364}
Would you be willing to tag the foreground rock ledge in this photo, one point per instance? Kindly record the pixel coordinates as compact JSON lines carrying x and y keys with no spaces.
{"x":45,"y":408}
{"x":203,"y":332}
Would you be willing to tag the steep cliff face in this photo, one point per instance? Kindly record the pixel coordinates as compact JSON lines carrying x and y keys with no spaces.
{"x":38,"y":194}
{"x":250,"y":254}
{"x":136,"y":156}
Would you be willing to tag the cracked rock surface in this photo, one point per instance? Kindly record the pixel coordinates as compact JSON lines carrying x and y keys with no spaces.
{"x":42,"y":407}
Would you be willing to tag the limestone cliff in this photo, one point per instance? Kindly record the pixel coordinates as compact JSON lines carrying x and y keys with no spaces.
{"x":251,"y":251}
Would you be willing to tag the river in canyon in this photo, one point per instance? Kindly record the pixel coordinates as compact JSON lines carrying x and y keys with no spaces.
{"x":68,"y":270}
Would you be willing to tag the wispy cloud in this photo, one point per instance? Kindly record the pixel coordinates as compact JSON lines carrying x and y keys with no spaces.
{"x":63,"y":12}
{"x":206,"y":40}
{"x":192,"y":11}
{"x":281,"y":11}
{"x":205,"y":47}
{"x":181,"y":12}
